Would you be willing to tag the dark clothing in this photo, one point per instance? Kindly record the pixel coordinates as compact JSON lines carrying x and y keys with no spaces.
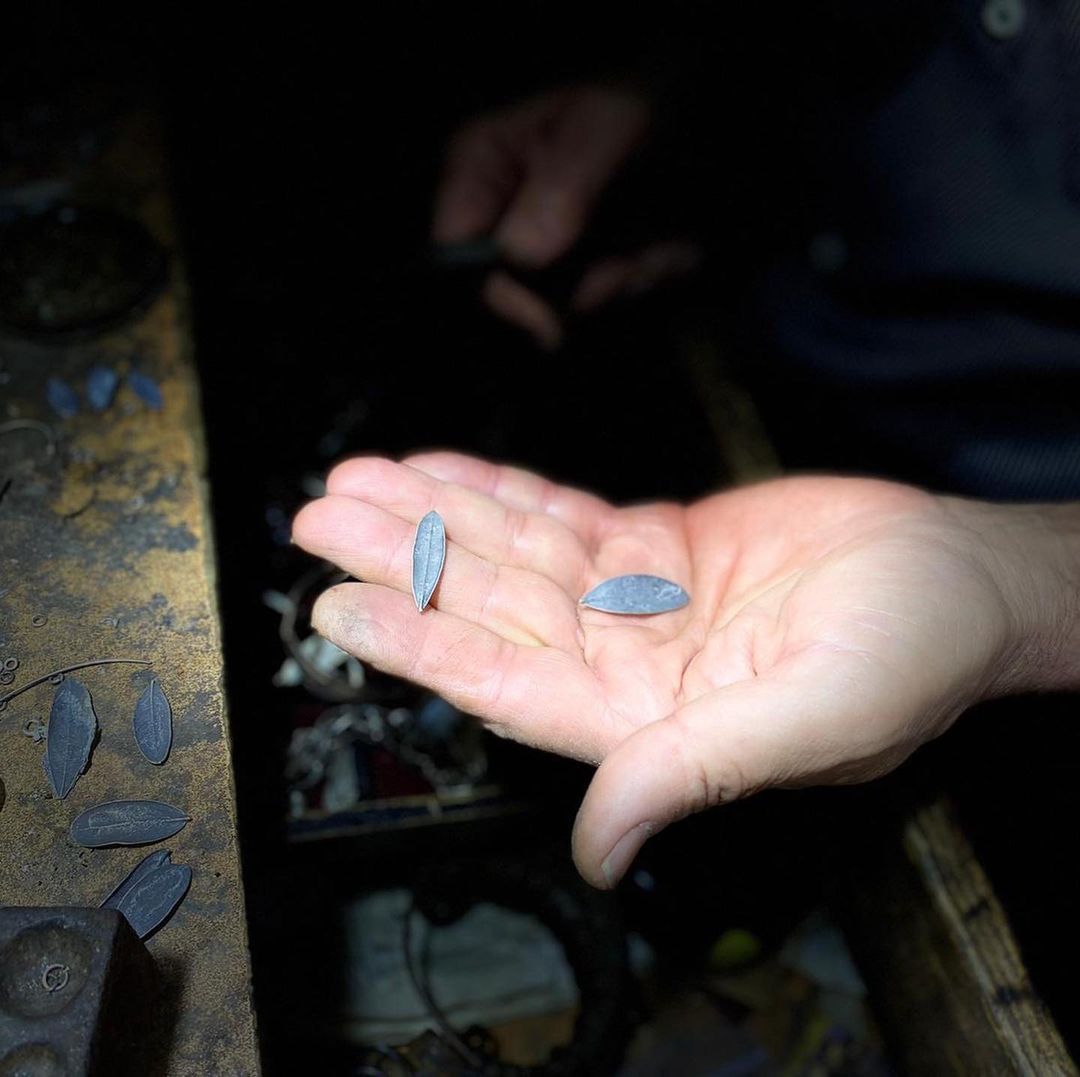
{"x":931,"y":322}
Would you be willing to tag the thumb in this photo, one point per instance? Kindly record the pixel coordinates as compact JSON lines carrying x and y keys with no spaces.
{"x":738,"y":740}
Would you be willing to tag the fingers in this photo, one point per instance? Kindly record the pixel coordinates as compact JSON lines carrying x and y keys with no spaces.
{"x":485,"y":525}
{"x":570,"y":159}
{"x":376,"y":546}
{"x":588,"y":516}
{"x":481,"y":173}
{"x":533,"y":173}
{"x":821,"y":722}
{"x":524,"y":308}
{"x":536,"y":695}
{"x":635,"y":274}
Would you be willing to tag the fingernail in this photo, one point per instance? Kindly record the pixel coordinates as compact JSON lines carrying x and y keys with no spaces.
{"x":621,"y":856}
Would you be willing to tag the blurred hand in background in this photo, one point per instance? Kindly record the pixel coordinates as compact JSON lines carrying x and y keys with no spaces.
{"x":530,"y":176}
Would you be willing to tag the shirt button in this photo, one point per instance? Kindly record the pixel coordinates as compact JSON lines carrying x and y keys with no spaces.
{"x":1003,"y":19}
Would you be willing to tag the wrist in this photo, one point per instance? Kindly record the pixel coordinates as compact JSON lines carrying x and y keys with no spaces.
{"x":1032,"y":554}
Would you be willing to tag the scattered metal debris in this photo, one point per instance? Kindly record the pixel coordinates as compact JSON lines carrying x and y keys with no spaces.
{"x":157,"y":859}
{"x":320,"y":670}
{"x":62,"y":398}
{"x":55,"y":977}
{"x":101,"y":384}
{"x":153,"y":898}
{"x":436,"y":738}
{"x":153,"y":723}
{"x":636,"y":594}
{"x":58,"y":674}
{"x":11,"y":664}
{"x":70,"y":739}
{"x":324,"y":656}
{"x":35,"y":729}
{"x":127,"y":822}
{"x":46,"y":431}
{"x":39,"y":620}
{"x":7,"y":677}
{"x":429,"y":555}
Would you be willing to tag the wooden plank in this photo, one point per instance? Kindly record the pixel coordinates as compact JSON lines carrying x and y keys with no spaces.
{"x":106,"y":551}
{"x":945,"y":974}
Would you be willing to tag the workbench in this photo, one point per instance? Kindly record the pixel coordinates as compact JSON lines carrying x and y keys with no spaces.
{"x":107,"y":552}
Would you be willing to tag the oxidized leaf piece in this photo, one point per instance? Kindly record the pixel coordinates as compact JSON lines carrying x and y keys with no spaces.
{"x":146,"y":389}
{"x":101,"y":383}
{"x":149,"y":864}
{"x":153,"y":723}
{"x":429,"y":554}
{"x":62,"y":398}
{"x":127,"y":822}
{"x":152,"y":900}
{"x":72,"y":728}
{"x":636,"y":594}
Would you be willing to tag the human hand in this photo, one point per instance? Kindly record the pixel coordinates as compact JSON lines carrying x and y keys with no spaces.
{"x":835,"y":625}
{"x":530,"y":176}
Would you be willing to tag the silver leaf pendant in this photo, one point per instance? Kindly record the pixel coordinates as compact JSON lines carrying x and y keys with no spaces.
{"x":636,"y":594}
{"x":429,"y":554}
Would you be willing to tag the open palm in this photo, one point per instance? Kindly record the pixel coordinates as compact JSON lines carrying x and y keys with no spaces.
{"x":834,"y":626}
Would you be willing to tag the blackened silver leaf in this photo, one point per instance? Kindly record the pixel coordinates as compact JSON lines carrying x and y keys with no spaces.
{"x":429,"y":554}
{"x":127,"y":822}
{"x":72,"y":728}
{"x":146,"y":389}
{"x":157,"y":859}
{"x":153,"y":723}
{"x":101,"y":383}
{"x":62,"y":398}
{"x":152,"y":900}
{"x":636,"y":594}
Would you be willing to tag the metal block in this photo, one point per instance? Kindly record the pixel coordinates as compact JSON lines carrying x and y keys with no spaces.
{"x":77,"y":991}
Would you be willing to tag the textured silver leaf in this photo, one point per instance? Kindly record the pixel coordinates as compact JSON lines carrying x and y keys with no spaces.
{"x":429,"y":554}
{"x":152,"y":900}
{"x":127,"y":822}
{"x":153,"y":723}
{"x":70,"y":738}
{"x":101,"y":383}
{"x":149,"y":864}
{"x":636,"y":594}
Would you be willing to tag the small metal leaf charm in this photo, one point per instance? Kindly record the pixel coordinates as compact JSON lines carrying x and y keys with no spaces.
{"x":149,"y":864}
{"x":101,"y":383}
{"x":62,"y":398}
{"x":152,"y":900}
{"x":429,"y":554}
{"x":146,"y":389}
{"x":153,"y":723}
{"x":72,"y":728}
{"x":127,"y":822}
{"x":636,"y":594}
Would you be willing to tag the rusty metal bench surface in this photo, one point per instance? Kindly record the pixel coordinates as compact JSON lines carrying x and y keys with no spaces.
{"x":106,"y":552}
